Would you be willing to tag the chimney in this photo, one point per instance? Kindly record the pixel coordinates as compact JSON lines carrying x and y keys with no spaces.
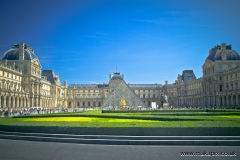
{"x":123,"y":76}
{"x":210,"y":51}
{"x":21,"y":51}
{"x":223,"y":51}
{"x":166,"y":82}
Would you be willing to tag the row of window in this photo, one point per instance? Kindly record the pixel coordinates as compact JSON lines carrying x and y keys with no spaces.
{"x":94,"y":104}
{"x":76,"y":91}
{"x":147,"y":96}
{"x":107,"y":91}
{"x":10,"y":75}
{"x":228,"y":87}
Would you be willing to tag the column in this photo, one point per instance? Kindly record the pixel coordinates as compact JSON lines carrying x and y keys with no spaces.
{"x":227,"y":103}
{"x":215,"y":101}
{"x":223,"y":101}
{"x":31,"y":102}
{"x":237,"y":100}
{"x":17,"y":104}
{"x":9,"y":102}
{"x":21,"y":103}
{"x":13,"y":102}
{"x":1,"y":101}
{"x":27,"y":103}
{"x":24,"y":103}
{"x":40,"y":102}
{"x":4,"y":102}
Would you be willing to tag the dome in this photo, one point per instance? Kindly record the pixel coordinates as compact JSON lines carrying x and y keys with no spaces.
{"x":116,"y":76}
{"x":216,"y":53}
{"x":231,"y":55}
{"x":13,"y":53}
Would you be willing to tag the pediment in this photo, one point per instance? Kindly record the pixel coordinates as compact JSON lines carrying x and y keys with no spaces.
{"x":36,"y":62}
{"x":207,"y":63}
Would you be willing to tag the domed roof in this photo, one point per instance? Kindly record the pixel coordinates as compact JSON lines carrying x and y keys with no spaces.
{"x":216,"y":53}
{"x":115,"y":76}
{"x":13,"y":53}
{"x":231,"y":55}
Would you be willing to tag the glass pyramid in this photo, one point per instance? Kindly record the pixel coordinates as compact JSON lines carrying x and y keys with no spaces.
{"x":123,"y":97}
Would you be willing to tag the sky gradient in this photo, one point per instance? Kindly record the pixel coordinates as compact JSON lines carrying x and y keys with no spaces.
{"x":149,"y":41}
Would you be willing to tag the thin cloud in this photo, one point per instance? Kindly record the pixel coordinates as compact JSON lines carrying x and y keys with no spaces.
{"x":45,"y":57}
{"x":96,"y":35}
{"x":208,"y":25}
{"x":158,"y":21}
{"x":101,"y":33}
{"x":173,"y":12}
{"x":100,"y":75}
{"x":90,"y":36}
{"x":87,"y":82}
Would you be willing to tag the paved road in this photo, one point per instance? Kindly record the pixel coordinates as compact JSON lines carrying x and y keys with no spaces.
{"x":29,"y":150}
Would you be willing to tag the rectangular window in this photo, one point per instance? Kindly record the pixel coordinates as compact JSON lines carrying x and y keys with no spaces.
{"x":220,"y":88}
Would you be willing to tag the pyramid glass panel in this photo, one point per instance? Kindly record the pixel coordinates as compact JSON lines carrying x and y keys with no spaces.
{"x":124,"y":97}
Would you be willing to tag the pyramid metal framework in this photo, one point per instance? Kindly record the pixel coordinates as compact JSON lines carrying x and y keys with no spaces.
{"x":123,"y":94}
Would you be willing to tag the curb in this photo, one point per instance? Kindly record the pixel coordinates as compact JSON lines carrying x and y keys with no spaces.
{"x":125,"y":140}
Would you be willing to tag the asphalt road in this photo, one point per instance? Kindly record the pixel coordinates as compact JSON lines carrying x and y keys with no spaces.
{"x":32,"y":150}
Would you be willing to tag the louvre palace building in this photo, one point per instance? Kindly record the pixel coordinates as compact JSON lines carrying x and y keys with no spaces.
{"x":24,"y":85}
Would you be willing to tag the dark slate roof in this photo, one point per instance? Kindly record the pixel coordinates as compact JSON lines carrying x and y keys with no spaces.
{"x":116,"y":75}
{"x":13,"y":54}
{"x":88,"y":85}
{"x":49,"y":74}
{"x":144,"y":85}
{"x":231,"y":55}
{"x":189,"y":72}
{"x":215,"y":54}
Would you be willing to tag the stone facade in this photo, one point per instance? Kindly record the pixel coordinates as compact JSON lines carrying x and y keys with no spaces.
{"x":219,"y":86}
{"x":23,"y":85}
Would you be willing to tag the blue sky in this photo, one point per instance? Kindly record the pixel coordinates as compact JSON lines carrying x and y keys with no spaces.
{"x":149,"y":41}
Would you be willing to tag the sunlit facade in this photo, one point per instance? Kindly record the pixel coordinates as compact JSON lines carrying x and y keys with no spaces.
{"x":24,"y":85}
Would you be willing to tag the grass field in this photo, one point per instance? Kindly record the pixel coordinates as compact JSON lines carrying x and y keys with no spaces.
{"x":145,"y":119}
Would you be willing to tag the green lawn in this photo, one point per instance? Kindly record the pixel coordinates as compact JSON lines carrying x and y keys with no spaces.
{"x":148,"y":119}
